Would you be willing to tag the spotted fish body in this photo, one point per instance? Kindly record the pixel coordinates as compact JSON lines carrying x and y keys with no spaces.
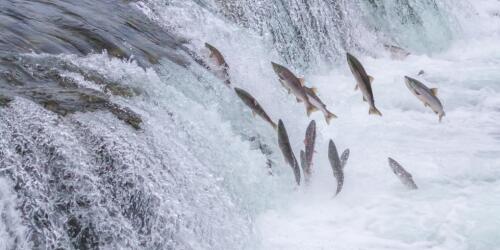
{"x":250,"y":101}
{"x":336,"y":164}
{"x":286,"y":150}
{"x":404,"y":176}
{"x":309,"y":142}
{"x":344,"y":157}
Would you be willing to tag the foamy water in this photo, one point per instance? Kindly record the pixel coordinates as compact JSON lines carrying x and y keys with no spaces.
{"x":196,"y":156}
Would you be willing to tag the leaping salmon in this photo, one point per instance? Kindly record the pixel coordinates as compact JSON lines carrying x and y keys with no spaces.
{"x":293,"y":85}
{"x":363,"y":82}
{"x":286,"y":149}
{"x":250,"y":101}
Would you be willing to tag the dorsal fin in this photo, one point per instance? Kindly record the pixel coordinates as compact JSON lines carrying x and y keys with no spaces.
{"x":371,"y":78}
{"x":434,"y":91}
{"x":314,"y":90}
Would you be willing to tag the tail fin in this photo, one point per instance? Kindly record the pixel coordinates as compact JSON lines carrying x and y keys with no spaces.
{"x":310,"y":109}
{"x":441,"y":116}
{"x":374,"y":111}
{"x":328,"y":116}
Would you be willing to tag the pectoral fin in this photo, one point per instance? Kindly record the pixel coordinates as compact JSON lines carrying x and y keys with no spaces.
{"x":298,"y":100}
{"x":434,"y":91}
{"x":356,"y":88}
{"x":364,"y":99}
{"x":302,"y":81}
{"x":314,"y":90}
{"x":371,"y":78}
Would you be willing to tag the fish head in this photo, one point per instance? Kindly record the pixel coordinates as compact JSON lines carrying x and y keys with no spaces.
{"x":393,"y":164}
{"x":239,"y":92}
{"x":278,"y":69}
{"x":356,"y":68}
{"x":351,"y":60}
{"x":410,"y":82}
{"x":312,"y":126}
{"x":209,"y":46}
{"x":281,"y":128}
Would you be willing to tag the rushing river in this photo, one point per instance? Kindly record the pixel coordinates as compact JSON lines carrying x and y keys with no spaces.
{"x":114,"y":135}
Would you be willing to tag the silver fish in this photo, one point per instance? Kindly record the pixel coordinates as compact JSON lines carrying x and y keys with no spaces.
{"x":426,"y":95}
{"x":286,"y":149}
{"x":250,"y":101}
{"x":220,"y":62}
{"x":363,"y":82}
{"x":338,"y":172}
{"x":311,"y":93}
{"x":293,"y":85}
{"x":402,"y":174}
{"x":396,"y":52}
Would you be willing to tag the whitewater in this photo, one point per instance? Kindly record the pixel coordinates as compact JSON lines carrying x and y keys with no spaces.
{"x":203,"y":173}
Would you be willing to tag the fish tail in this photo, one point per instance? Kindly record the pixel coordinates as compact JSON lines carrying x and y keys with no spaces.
{"x":339,"y":188}
{"x":296,"y":172}
{"x":441,"y":116}
{"x":374,"y":111}
{"x":328,"y":116}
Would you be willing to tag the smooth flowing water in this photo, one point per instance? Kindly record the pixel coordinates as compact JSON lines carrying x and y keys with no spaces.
{"x":113,"y":136}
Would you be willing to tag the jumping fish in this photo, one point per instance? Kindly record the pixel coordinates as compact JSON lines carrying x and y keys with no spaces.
{"x":426,"y":95}
{"x":286,"y":149}
{"x":294,"y":85}
{"x":220,"y":62}
{"x":402,"y":174}
{"x":309,"y":142}
{"x":338,"y":172}
{"x":363,"y":82}
{"x":311,"y":94}
{"x":254,"y":106}
{"x":396,"y":52}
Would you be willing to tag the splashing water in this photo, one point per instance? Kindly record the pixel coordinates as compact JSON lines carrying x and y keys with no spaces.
{"x":200,"y":172}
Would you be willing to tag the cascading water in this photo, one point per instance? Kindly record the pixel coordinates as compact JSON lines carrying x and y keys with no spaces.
{"x":113,"y":136}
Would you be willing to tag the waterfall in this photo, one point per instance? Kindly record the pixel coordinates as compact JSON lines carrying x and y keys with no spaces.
{"x":114,"y":135}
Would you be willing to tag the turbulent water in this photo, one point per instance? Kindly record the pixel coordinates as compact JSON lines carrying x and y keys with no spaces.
{"x":114,"y":135}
